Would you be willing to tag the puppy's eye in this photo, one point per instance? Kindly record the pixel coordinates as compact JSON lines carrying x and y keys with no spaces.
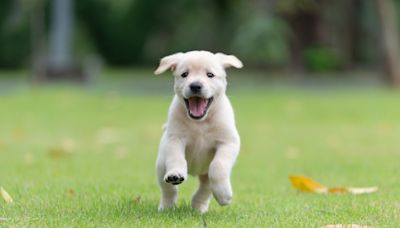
{"x":210,"y":75}
{"x":184,"y":74}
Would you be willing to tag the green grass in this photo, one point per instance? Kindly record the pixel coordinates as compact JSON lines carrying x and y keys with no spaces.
{"x":110,"y":140}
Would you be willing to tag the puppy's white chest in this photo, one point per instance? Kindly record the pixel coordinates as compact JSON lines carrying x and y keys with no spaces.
{"x":200,"y":151}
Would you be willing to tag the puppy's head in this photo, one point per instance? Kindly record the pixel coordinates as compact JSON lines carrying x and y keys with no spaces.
{"x":200,"y":78}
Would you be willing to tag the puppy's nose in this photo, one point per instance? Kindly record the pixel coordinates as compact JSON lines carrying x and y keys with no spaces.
{"x":195,"y":87}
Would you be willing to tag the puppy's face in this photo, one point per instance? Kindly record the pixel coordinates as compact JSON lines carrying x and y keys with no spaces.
{"x":200,"y":78}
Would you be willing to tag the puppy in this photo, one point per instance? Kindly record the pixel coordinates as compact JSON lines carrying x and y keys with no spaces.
{"x":200,"y":136}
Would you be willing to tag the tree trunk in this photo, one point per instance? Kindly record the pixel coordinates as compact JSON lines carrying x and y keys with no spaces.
{"x":303,"y":26}
{"x":388,"y":21}
{"x":38,"y":42}
{"x":61,"y":62}
{"x":61,"y":34}
{"x":347,"y":33}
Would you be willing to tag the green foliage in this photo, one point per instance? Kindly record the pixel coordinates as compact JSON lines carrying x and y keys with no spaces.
{"x":14,"y":36}
{"x":194,"y":26}
{"x":294,"y":6}
{"x":370,"y":31}
{"x":262,"y":40}
{"x":14,"y":47}
{"x":120,"y":32}
{"x":319,"y":59}
{"x":127,"y":32}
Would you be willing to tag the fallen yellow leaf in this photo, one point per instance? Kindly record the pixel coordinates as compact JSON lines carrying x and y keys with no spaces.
{"x":338,"y":190}
{"x":306,"y":184}
{"x":6,"y":197}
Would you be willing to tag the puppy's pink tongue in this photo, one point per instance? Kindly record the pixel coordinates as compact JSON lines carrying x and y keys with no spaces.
{"x":197,"y":106}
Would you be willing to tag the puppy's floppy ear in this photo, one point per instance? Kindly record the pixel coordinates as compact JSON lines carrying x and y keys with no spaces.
{"x":229,"y":60}
{"x":168,"y":62}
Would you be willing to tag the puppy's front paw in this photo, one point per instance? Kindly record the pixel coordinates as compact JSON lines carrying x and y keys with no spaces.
{"x":175,"y":177}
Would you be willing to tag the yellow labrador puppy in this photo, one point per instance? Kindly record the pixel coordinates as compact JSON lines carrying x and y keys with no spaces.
{"x":200,"y":136}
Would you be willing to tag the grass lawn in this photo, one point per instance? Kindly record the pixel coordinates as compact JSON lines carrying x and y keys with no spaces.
{"x":75,"y":156}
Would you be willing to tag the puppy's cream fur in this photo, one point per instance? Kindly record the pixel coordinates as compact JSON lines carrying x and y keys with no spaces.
{"x":205,"y":147}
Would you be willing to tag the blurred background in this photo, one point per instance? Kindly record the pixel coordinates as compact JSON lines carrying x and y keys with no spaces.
{"x":81,"y":111}
{"x":302,"y":39}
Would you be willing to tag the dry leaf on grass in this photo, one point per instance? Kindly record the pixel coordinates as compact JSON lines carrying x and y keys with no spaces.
{"x":71,"y":193}
{"x":358,"y":191}
{"x":338,"y":190}
{"x":136,"y":200}
{"x":6,"y":197}
{"x":306,"y":184}
{"x":3,"y":219}
{"x":63,"y":150}
{"x":57,"y":153}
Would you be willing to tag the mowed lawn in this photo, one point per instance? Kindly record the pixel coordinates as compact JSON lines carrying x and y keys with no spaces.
{"x":72,"y":156}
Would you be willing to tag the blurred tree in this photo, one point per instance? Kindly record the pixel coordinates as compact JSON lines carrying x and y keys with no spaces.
{"x":120,"y":29}
{"x":61,"y":34}
{"x":262,"y":41}
{"x":61,"y":60}
{"x":369,"y":52}
{"x":261,"y":37}
{"x":302,"y":18}
{"x":38,"y":39}
{"x":390,"y":33}
{"x":14,"y":34}
{"x":308,"y":35}
{"x":320,"y":37}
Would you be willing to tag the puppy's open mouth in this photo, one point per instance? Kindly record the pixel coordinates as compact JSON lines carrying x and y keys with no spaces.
{"x":198,"y":106}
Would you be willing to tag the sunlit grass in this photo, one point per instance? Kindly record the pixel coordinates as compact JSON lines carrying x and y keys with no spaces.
{"x":107,"y":142}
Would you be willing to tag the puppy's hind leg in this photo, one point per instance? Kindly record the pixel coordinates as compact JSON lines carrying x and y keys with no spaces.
{"x":169,"y":192}
{"x":201,"y":198}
